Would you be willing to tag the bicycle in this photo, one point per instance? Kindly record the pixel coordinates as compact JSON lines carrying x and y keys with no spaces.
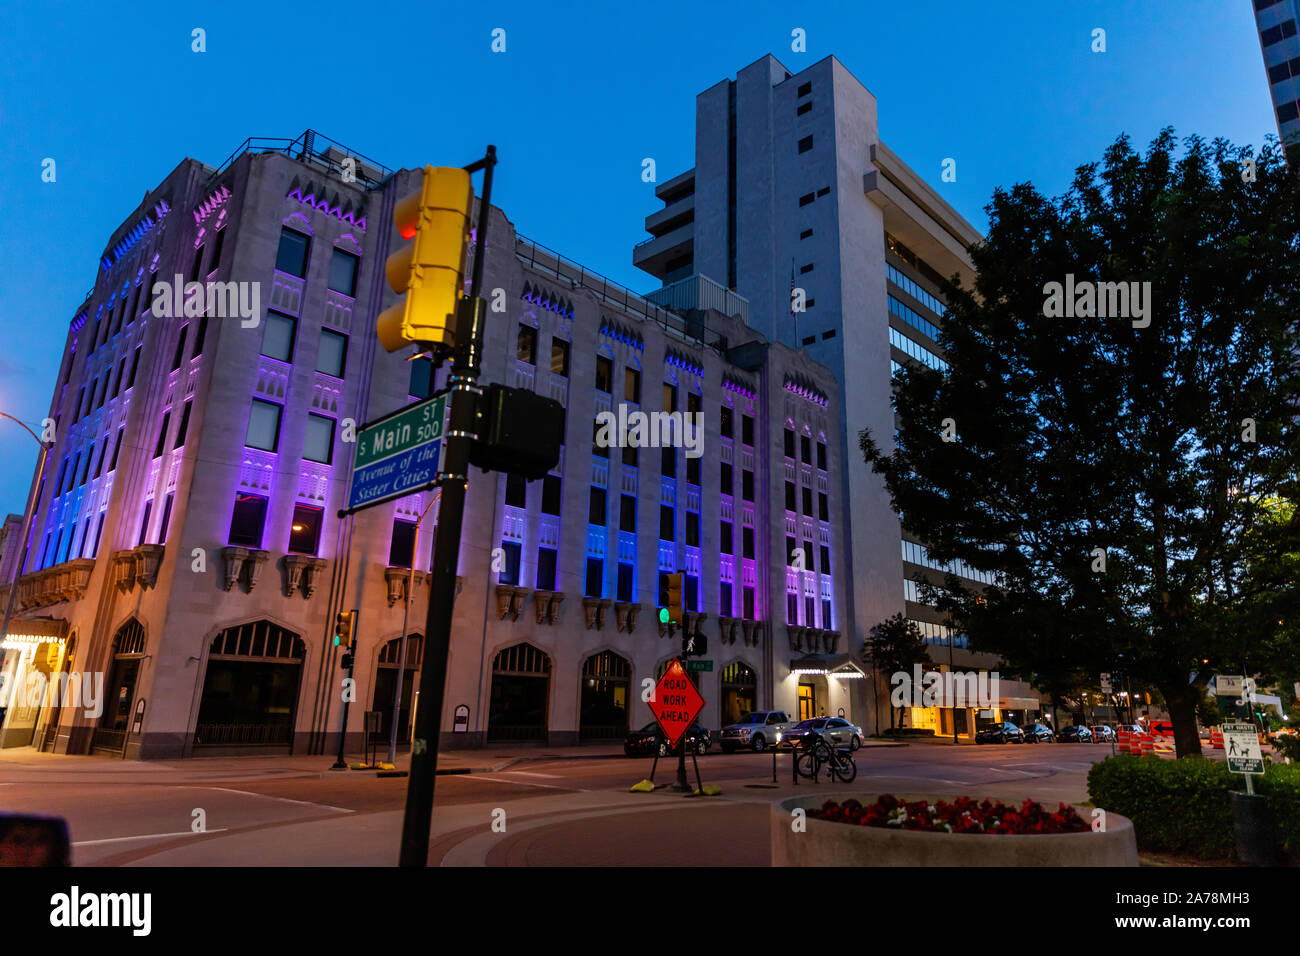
{"x":817,"y":753}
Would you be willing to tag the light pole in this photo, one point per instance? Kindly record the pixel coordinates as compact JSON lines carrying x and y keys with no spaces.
{"x":406,"y":611}
{"x":27,"y":519}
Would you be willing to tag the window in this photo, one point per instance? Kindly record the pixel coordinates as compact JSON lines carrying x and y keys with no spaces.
{"x":806,"y":198}
{"x":144,"y":521}
{"x":747,"y":543}
{"x":598,"y":449}
{"x":593,"y":583}
{"x":631,"y":456}
{"x":821,"y":455}
{"x":823,"y":191}
{"x":91,"y":403}
{"x":806,"y":234}
{"x":805,"y":144}
{"x":85,"y":471}
{"x":724,"y":598}
{"x":545,"y":569}
{"x":103,"y":453}
{"x":135,"y":366}
{"x":117,"y":448}
{"x":292,"y":254}
{"x":789,"y":443}
{"x":747,"y":485}
{"x":162,"y":434}
{"x":804,"y":270}
{"x":809,"y":340}
{"x":604,"y":374}
{"x":201,"y":336}
{"x":789,"y":551}
{"x":803,"y":108}
{"x":792,"y":607}
{"x":421,"y":378}
{"x":692,"y":470}
{"x":99,"y":531}
{"x":332,"y":356}
{"x":805,"y":89}
{"x":304,"y":533}
{"x":825,"y":566}
{"x":668,"y":461}
{"x":217,"y":245}
{"x":551,"y":495}
{"x":596,"y":508}
{"x":632,"y":385}
{"x":747,"y":429}
{"x":724,"y":543}
{"x":319,"y":443}
{"x":184,"y":426}
{"x":401,"y":548}
{"x":624,"y":592}
{"x":724,"y":422}
{"x":667,"y":530}
{"x":526,"y":344}
{"x":559,"y":357}
{"x":670,"y":398}
{"x":789,"y":496}
{"x":343,"y":273}
{"x":807,"y":502}
{"x":72,"y":477}
{"x":823,"y":506}
{"x":805,"y":449}
{"x":263,"y":426}
{"x":85,"y":538}
{"x":692,"y":529}
{"x":727,"y":482}
{"x":277,"y":339}
{"x":748,"y":610}
{"x":198,"y":262}
{"x":627,"y":513}
{"x":1278,"y":33}
{"x":510,"y":573}
{"x":166,"y":519}
{"x":690,"y":593}
{"x":516,"y":491}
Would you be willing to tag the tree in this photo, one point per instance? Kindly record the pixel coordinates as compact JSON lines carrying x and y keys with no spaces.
{"x":893,"y":646}
{"x":1116,"y":453}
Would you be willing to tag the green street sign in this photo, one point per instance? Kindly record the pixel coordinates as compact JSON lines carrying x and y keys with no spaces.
{"x":402,"y":431}
{"x":697,"y":666}
{"x":398,"y":454}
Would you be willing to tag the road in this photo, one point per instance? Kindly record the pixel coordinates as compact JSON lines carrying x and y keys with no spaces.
{"x":525,"y":809}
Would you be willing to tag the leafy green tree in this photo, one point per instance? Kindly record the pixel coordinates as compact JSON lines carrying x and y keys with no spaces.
{"x":893,"y":646}
{"x":1116,"y":470}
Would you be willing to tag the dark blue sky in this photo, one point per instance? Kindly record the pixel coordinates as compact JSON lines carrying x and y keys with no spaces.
{"x":584,"y":91}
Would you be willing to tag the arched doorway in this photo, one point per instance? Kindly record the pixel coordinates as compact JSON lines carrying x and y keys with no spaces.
{"x":250,"y":690}
{"x":739,"y":691}
{"x":603,"y":713}
{"x":127,"y":653}
{"x":386,"y":682}
{"x":521,"y":690}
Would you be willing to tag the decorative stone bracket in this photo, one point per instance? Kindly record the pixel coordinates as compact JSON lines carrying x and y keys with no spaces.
{"x":831,"y":639}
{"x":553,"y":606}
{"x":303,"y":571}
{"x":796,"y":636}
{"x":137,"y":566}
{"x":396,"y":579}
{"x":518,"y":599}
{"x":625,"y":614}
{"x":758,"y":633}
{"x":242,"y":564}
{"x":541,"y":602}
{"x":124,"y":570}
{"x":593,"y":610}
{"x":505,"y":595}
{"x":726,"y":630}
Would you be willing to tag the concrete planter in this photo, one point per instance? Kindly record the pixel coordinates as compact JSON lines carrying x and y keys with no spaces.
{"x":827,"y":843}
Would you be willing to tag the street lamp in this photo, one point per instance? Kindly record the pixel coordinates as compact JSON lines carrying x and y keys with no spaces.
{"x":27,"y":519}
{"x":401,"y":655}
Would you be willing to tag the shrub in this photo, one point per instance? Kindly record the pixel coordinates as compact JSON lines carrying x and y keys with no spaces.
{"x":1182,"y":806}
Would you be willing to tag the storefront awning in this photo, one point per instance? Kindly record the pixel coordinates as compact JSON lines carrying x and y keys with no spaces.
{"x":40,"y":630}
{"x":840,"y":666}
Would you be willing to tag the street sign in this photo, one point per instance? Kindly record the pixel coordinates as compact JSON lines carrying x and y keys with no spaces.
{"x":1226,"y":685}
{"x":694,"y":667}
{"x":676,"y":702}
{"x":1105,"y":683}
{"x":398,"y":454}
{"x":1241,"y":745}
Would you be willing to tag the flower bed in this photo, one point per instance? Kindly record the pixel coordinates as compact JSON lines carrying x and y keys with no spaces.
{"x":962,"y":815}
{"x":919,"y":830}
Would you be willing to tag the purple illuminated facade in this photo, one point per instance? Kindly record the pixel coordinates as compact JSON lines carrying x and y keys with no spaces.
{"x":186,"y":544}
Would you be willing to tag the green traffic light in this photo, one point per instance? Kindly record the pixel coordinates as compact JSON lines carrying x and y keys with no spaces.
{"x":663,"y":615}
{"x":336,"y":640}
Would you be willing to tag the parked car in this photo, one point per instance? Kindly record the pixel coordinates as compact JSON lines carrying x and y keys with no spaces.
{"x":1075,"y":734}
{"x":757,"y":730}
{"x":1104,"y":733}
{"x":1039,"y":733}
{"x":1131,"y":728}
{"x":836,"y":731}
{"x":650,"y":739}
{"x":1000,"y":733}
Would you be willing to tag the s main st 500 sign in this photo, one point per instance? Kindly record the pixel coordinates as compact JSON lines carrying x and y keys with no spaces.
{"x":398,"y":454}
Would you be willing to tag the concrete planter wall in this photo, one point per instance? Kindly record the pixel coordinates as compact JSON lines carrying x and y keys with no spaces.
{"x":826,"y":843}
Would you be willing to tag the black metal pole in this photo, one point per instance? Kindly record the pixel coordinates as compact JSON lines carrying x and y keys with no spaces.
{"x":461,"y":432}
{"x":340,"y":763}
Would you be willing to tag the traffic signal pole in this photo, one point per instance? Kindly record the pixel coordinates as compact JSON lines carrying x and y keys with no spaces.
{"x":462,"y":429}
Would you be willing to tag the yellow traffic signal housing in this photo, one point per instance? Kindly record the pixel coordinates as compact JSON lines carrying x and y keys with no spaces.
{"x":675,"y":615}
{"x":343,"y":628}
{"x":429,"y":270}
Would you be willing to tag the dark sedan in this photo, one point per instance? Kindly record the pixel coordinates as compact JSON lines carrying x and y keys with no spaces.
{"x":650,"y":740}
{"x":1002,"y":733}
{"x":1039,"y":734}
{"x":1075,"y":734}
{"x":836,"y":731}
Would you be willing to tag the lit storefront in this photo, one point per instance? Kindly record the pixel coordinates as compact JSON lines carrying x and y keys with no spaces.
{"x":34,"y":654}
{"x":822,"y":685}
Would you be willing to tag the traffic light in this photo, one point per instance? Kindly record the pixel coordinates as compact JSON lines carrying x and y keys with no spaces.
{"x":430,"y":269}
{"x":344,"y":625}
{"x":675,"y":615}
{"x":520,"y":432}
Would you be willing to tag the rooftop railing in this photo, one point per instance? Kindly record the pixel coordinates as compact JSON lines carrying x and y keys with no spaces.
{"x":311,"y":148}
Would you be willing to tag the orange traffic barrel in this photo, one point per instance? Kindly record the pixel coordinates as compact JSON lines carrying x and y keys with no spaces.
{"x":1216,"y":739}
{"x":1124,"y":736}
{"x":1148,"y":746}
